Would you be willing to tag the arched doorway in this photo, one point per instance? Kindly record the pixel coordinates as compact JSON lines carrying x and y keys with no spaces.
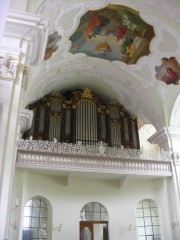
{"x":93,"y":222}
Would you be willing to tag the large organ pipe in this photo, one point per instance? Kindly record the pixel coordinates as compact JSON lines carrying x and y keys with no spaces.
{"x":81,"y":122}
{"x":115,"y":135}
{"x":55,"y":128}
{"x":86,"y":122}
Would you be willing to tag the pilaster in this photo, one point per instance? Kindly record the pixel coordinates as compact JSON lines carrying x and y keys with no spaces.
{"x":169,"y":139}
{"x":23,"y":43}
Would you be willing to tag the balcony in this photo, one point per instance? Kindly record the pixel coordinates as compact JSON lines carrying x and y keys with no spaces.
{"x":55,"y":156}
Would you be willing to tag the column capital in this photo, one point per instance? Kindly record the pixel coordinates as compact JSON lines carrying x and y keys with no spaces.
{"x":8,"y":67}
{"x":166,"y":137}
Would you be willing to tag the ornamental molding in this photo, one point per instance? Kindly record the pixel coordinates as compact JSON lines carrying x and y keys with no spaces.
{"x":40,"y":154}
{"x":27,"y":27}
{"x":164,"y":135}
{"x":165,"y":6}
{"x":87,"y":94}
{"x":25,"y":120}
{"x":25,"y":80}
{"x":8,"y":68}
{"x":87,"y":163}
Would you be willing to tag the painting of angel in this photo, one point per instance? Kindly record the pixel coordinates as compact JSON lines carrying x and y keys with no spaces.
{"x":169,"y":71}
{"x":52,"y":46}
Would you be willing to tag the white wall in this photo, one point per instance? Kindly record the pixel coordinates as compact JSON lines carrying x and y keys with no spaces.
{"x":18,"y":5}
{"x":67,"y":202}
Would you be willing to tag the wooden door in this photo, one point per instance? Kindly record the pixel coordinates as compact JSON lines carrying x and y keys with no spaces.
{"x":86,"y":231}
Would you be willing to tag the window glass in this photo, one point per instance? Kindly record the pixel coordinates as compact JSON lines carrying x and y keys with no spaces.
{"x":148,"y":227}
{"x":93,"y":211}
{"x":35,"y":220}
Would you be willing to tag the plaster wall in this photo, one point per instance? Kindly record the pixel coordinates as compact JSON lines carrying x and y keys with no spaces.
{"x":67,"y":201}
{"x":18,"y":5}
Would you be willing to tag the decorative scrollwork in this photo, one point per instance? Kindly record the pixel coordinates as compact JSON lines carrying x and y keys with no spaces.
{"x":101,"y":149}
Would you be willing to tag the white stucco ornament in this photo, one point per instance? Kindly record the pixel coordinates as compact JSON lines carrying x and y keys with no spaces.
{"x":25,"y":119}
{"x":8,"y":68}
{"x":101,"y":149}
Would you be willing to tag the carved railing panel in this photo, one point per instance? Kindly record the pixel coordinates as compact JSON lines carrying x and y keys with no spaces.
{"x":98,"y":158}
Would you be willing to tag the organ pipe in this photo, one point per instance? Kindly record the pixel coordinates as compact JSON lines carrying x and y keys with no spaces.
{"x":80,"y":115}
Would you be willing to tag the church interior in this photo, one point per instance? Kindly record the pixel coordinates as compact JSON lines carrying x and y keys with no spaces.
{"x":89,"y":120}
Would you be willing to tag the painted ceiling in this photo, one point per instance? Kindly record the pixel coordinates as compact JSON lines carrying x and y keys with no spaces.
{"x":112,"y":33}
{"x":88,"y":47}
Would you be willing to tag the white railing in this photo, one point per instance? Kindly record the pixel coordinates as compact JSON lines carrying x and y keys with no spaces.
{"x":100,"y":158}
{"x":101,"y":149}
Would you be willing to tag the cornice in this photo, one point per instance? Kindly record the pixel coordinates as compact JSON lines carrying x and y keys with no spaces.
{"x":26,"y":27}
{"x":164,"y":134}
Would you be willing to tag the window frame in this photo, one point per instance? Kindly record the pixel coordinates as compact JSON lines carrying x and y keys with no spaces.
{"x":28,"y":213}
{"x":153,"y":218}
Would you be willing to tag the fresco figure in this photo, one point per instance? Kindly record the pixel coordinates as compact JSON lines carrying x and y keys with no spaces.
{"x":131,"y":49}
{"x":93,"y":23}
{"x":172,"y":63}
{"x":52,"y":45}
{"x":169,"y":71}
{"x":121,"y":32}
{"x":104,"y":47}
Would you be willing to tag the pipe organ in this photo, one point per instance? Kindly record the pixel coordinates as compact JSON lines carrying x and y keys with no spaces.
{"x":80,"y":116}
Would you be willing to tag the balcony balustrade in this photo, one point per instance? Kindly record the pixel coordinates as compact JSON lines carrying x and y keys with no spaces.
{"x":92,"y":158}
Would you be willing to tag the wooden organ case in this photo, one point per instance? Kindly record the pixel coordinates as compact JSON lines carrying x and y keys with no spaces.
{"x":81,"y":116}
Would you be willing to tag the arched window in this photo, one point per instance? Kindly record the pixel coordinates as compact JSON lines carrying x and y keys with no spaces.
{"x":148,"y":227}
{"x":93,"y":211}
{"x":35,"y":220}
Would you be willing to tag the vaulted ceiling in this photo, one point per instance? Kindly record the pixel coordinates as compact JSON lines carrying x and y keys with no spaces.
{"x":148,"y":87}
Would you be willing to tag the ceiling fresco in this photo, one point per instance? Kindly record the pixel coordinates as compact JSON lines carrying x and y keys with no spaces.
{"x":52,"y":45}
{"x":113,"y":33}
{"x":169,"y":71}
{"x":129,"y":53}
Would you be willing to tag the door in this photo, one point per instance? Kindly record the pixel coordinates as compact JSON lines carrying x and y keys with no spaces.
{"x":93,"y":230}
{"x":86,"y":231}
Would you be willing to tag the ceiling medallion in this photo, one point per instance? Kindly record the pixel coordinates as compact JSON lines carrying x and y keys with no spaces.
{"x":113,"y":33}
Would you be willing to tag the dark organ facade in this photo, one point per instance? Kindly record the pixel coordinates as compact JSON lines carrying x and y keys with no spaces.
{"x":80,"y":116}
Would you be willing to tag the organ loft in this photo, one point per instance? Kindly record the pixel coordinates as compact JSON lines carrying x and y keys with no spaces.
{"x":81,"y":115}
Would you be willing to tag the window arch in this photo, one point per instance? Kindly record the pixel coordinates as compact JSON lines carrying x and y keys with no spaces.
{"x":35,"y":220}
{"x":93,"y":211}
{"x":147,"y":219}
